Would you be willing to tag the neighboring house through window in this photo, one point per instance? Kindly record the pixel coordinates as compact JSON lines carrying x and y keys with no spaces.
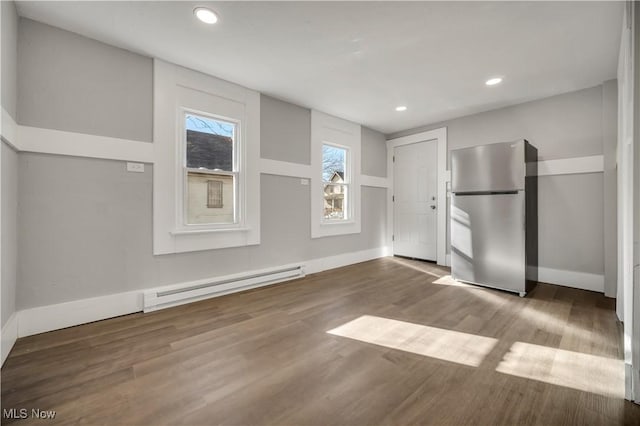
{"x":335,"y":181}
{"x":209,"y":148}
{"x":214,"y":194}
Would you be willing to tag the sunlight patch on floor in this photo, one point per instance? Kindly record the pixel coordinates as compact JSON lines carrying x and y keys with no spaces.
{"x":448,"y":345}
{"x":547,"y":315}
{"x":448,"y":280}
{"x":491,"y":296}
{"x":411,"y":264}
{"x":584,"y":372}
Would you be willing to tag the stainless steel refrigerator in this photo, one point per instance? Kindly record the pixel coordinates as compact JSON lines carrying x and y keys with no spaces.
{"x":494,"y":220}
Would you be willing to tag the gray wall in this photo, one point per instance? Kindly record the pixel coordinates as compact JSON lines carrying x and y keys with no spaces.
{"x":9,"y":56}
{"x":9,"y":178}
{"x":85,"y":226}
{"x":9,"y":232}
{"x":69,"y":82}
{"x":563,"y":126}
{"x":281,"y":120}
{"x":374,"y":153}
{"x":570,"y":208}
{"x":85,"y":230}
{"x":570,"y":222}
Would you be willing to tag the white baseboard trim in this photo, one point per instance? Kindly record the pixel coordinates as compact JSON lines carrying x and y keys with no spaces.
{"x":580,"y":280}
{"x":9,"y":336}
{"x":340,"y":260}
{"x":53,"y":317}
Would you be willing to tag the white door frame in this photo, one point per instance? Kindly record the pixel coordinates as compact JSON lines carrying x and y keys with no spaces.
{"x":628,"y":295}
{"x":440,"y":135}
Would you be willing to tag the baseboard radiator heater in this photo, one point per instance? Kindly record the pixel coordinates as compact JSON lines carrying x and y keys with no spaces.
{"x":180,"y":294}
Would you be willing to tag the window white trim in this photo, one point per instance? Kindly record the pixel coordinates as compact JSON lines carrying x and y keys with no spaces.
{"x":329,"y":130}
{"x":177,"y":89}
{"x":443,"y":177}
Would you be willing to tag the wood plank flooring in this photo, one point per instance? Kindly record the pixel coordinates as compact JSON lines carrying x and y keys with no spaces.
{"x":386,"y":342}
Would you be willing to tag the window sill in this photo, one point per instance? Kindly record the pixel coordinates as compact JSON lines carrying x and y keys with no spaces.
{"x":207,"y":231}
{"x":341,"y":222}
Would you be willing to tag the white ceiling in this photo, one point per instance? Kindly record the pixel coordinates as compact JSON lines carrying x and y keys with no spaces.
{"x":359,"y":60}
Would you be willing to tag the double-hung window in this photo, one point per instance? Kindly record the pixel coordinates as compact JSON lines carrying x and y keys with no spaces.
{"x":335,"y":183}
{"x":210,"y":171}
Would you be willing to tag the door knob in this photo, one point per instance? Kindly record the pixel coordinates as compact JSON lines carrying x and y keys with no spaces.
{"x":433,"y":207}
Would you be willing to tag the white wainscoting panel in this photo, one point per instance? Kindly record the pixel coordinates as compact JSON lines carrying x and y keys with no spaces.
{"x":9,"y":130}
{"x":571,"y":166}
{"x":285,"y":168}
{"x":49,"y":141}
{"x":374,"y":181}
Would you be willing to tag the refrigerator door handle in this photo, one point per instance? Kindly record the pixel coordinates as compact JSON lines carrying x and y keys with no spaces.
{"x":468,"y":193}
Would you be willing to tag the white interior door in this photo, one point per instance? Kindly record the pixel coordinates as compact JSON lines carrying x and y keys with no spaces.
{"x":415,"y":192}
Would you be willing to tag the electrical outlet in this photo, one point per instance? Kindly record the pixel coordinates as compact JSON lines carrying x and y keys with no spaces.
{"x":135,"y":167}
{"x":304,"y":181}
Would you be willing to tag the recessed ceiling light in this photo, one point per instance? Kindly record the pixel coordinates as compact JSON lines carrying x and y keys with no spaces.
{"x":493,"y":81}
{"x":206,"y":15}
{"x":401,"y":108}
